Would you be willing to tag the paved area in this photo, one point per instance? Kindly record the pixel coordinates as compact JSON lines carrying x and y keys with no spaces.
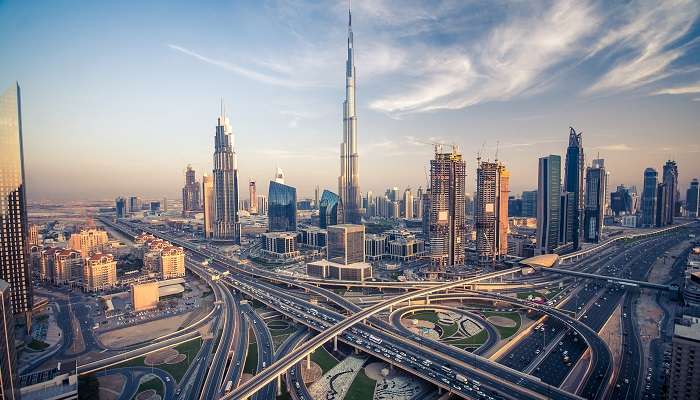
{"x":111,"y":386}
{"x":335,"y":383}
{"x":131,"y":335}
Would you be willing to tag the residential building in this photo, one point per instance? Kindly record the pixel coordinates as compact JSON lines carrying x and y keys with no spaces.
{"x":594,"y":208}
{"x":447,"y":227}
{"x":331,"y":210}
{"x":209,"y":206}
{"x":88,"y":241}
{"x":14,"y":254}
{"x":172,"y":262}
{"x":491,"y":212}
{"x":349,"y":178}
{"x":548,"y":203}
{"x":9,"y":385}
{"x":282,"y":207}
{"x":100,"y":272}
{"x":226,"y":219}
{"x":190,"y":192}
{"x":691,"y":199}
{"x":67,"y":266}
{"x":649,"y":198}
{"x":670,"y":179}
{"x":573,"y":183}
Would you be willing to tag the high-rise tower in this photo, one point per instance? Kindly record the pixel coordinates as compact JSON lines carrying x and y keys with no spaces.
{"x":447,"y":227}
{"x":252,"y":198}
{"x":491,"y":212}
{"x":670,"y":179}
{"x":649,"y":198}
{"x":226,"y":222}
{"x":573,"y":183}
{"x":349,"y":179}
{"x":691,"y":198}
{"x":548,"y":203}
{"x":190,"y":192}
{"x":596,"y":188}
{"x":14,"y":257}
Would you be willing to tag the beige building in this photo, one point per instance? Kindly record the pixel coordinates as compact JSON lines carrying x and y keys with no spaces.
{"x":46,"y":262}
{"x":88,"y":241}
{"x":34,"y":235}
{"x":331,"y":270}
{"x":100,"y":272}
{"x":172,"y":262}
{"x":346,"y":243}
{"x":145,"y":296}
{"x":208,"y":205}
{"x":67,"y":266}
{"x":685,"y":363}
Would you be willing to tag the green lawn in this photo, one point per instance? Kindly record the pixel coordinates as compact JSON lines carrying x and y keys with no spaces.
{"x":324,"y":359}
{"x":474,"y":340}
{"x":506,"y":332}
{"x":362,"y":387}
{"x":251,"y":360}
{"x":278,"y":340}
{"x":524,"y":295}
{"x":154,"y":383}
{"x":37,"y":345}
{"x":448,"y":330}
{"x":429,"y":316}
{"x":190,"y":349}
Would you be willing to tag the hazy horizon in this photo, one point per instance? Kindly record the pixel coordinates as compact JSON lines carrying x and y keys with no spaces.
{"x":117,"y":98}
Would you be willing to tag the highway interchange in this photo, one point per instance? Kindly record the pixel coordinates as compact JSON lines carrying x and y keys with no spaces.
{"x":568,"y":325}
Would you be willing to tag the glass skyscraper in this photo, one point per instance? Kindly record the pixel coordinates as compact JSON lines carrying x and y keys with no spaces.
{"x":691,"y":199}
{"x":282,"y":207}
{"x":331,"y":211}
{"x":9,"y":384}
{"x":548,"y":203}
{"x":573,"y":183}
{"x":649,"y":198}
{"x":596,"y":184}
{"x":14,"y":257}
{"x":226,"y":219}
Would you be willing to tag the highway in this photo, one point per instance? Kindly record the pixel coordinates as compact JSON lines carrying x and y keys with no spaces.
{"x":266,"y":356}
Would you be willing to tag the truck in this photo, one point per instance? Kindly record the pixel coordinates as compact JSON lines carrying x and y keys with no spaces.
{"x":375,"y":339}
{"x":229,"y":387}
{"x":462,"y":378}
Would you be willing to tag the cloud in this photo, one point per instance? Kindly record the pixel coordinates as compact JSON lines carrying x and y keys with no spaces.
{"x":514,"y":57}
{"x":691,"y":89}
{"x":647,"y":36}
{"x":296,"y":116}
{"x":245,"y":72}
{"x":616,"y":147}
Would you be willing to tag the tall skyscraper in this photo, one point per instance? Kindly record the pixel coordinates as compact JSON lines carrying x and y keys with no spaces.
{"x":408,"y":204}
{"x":282,"y":208}
{"x":573,"y":182}
{"x":594,"y":209}
{"x":447,"y":230}
{"x":14,"y":230}
{"x":262,"y":204}
{"x":548,"y":203}
{"x":331,"y":211}
{"x":252,"y":198}
{"x":9,"y":384}
{"x":135,"y":204}
{"x":567,"y":205}
{"x":349,"y":179}
{"x":418,"y":204}
{"x":316,"y":198}
{"x":529,"y":203}
{"x":120,"y":207}
{"x":190,"y":192}
{"x":621,"y":201}
{"x":670,"y":179}
{"x":649,"y":198}
{"x":346,"y":244}
{"x":691,"y":198}
{"x":491,"y":212}
{"x":226,"y":219}
{"x":208,"y":205}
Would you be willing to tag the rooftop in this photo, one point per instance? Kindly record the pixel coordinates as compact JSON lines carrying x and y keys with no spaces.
{"x":688,"y":328}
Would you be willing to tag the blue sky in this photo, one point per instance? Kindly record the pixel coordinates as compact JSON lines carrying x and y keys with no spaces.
{"x":119,"y":97}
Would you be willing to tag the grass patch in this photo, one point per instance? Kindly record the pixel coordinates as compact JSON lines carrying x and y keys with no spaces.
{"x":429,"y":316}
{"x":471,"y":341}
{"x":362,"y":387}
{"x":324,"y":359}
{"x":449,"y":330}
{"x":178,"y":370}
{"x":503,"y":331}
{"x":278,"y":340}
{"x":525,"y":295}
{"x":251,"y":359}
{"x":154,"y":383}
{"x":37,"y":345}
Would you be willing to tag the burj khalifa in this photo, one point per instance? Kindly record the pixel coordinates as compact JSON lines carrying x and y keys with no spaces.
{"x":349,"y":179}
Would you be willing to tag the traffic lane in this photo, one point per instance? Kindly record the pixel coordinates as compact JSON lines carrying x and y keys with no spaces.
{"x":263,"y":338}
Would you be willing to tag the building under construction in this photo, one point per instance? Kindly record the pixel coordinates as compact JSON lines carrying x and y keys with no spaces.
{"x":491,"y":212}
{"x":447,"y":227}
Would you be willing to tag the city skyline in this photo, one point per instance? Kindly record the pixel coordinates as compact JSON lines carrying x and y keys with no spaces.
{"x":282,"y":117}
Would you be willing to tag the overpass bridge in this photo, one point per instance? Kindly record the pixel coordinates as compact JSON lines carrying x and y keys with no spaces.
{"x":611,"y":279}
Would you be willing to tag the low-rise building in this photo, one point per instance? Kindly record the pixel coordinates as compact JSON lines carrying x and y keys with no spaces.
{"x":375,"y":246}
{"x":172,"y":262}
{"x":99,"y":272}
{"x":312,"y":237}
{"x":145,"y":295}
{"x":58,"y":383}
{"x":332,"y":270}
{"x":280,"y":245}
{"x":406,"y":248}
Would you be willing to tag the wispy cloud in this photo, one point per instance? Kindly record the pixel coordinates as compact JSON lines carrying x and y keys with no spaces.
{"x":296,"y":116}
{"x":691,"y":89}
{"x":245,"y":72}
{"x":646,"y":36}
{"x":616,"y":147}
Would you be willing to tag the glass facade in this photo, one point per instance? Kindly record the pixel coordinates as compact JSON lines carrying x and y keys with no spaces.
{"x":331,"y":210}
{"x":282,"y":208}
{"x":14,"y":258}
{"x":9,"y":385}
{"x":548,"y":203}
{"x":649,"y":198}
